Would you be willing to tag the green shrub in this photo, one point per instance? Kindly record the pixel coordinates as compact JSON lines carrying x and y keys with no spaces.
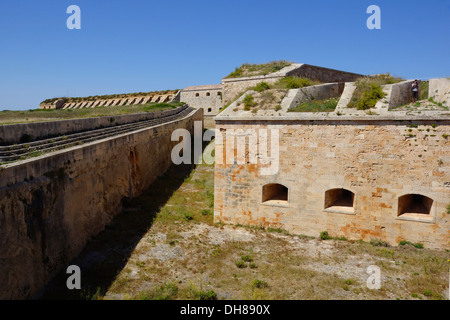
{"x":427,"y":293}
{"x":327,"y":105}
{"x":260,"y":87}
{"x":324,"y":235}
{"x":248,"y":102}
{"x":368,"y":91}
{"x":206,"y":295}
{"x":371,"y":97}
{"x":294,"y":83}
{"x":247,"y":258}
{"x":241,"y":264}
{"x":416,"y":245}
{"x":260,"y":284}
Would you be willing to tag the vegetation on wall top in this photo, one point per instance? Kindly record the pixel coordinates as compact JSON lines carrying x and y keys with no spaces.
{"x":248,"y":70}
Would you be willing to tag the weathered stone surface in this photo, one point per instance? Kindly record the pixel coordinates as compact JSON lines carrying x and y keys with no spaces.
{"x":10,"y":134}
{"x":51,"y":205}
{"x":378,"y":160}
{"x":440,"y":91}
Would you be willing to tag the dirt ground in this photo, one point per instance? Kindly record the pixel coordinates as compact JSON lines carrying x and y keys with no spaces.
{"x":165,"y":245}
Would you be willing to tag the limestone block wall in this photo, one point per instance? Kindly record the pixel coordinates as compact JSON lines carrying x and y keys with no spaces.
{"x":51,"y":205}
{"x":398,"y":94}
{"x":208,"y":99}
{"x":378,"y":161}
{"x":440,"y":91}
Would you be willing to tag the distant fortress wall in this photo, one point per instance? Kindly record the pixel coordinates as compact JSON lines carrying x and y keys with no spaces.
{"x":385,"y":178}
{"x":13,"y":133}
{"x":68,"y":103}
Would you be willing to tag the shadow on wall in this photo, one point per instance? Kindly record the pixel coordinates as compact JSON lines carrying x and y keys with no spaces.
{"x":106,"y":254}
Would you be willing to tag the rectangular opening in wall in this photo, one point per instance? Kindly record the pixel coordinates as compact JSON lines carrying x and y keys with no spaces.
{"x":415,"y":207}
{"x":275,"y":194}
{"x":339,"y":201}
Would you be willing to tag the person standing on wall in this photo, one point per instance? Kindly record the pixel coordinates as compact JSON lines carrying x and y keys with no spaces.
{"x":415,"y":90}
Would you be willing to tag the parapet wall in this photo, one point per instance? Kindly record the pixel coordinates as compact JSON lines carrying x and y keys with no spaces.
{"x":50,"y":206}
{"x":112,"y":100}
{"x":209,"y":98}
{"x":378,"y":160}
{"x":10,"y":134}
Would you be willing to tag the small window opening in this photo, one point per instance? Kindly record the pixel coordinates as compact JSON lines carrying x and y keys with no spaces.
{"x":414,"y":206}
{"x":339,"y":200}
{"x":197,"y":94}
{"x":209,"y":109}
{"x":275,"y":193}
{"x":208,"y":94}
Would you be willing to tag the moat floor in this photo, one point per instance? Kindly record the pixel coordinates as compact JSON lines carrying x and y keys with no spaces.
{"x":165,"y":246}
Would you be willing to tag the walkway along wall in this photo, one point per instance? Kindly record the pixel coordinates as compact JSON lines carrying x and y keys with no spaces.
{"x":50,"y":206}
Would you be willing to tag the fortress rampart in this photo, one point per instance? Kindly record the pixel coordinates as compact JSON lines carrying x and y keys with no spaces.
{"x":51,"y":205}
{"x":11,"y":134}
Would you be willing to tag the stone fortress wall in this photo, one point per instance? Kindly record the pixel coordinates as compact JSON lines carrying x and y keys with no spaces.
{"x":440,"y":90}
{"x":381,"y":178}
{"x":208,"y":98}
{"x":360,"y":174}
{"x":126,"y":100}
{"x":212,"y":97}
{"x":233,"y":87}
{"x":51,"y":205}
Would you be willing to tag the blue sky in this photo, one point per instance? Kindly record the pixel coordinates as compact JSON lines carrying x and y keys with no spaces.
{"x":142,"y":45}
